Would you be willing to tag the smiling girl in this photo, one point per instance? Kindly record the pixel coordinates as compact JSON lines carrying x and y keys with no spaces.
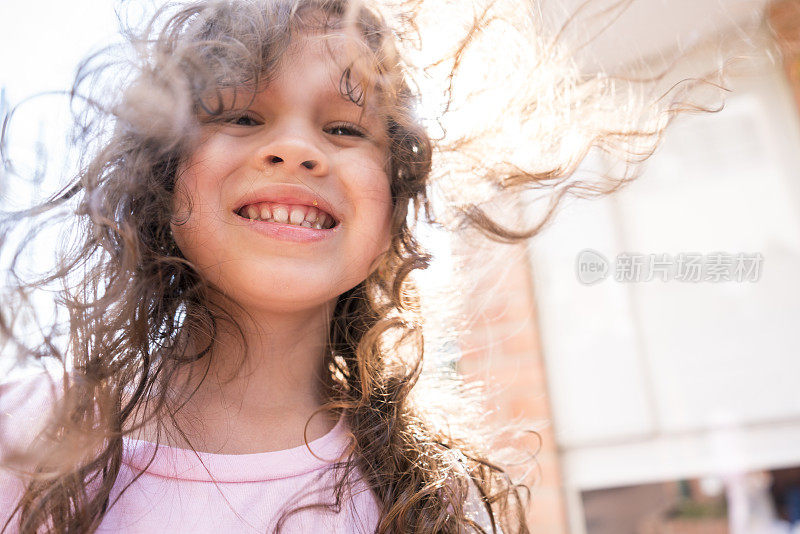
{"x":238,"y":334}
{"x":243,"y":336}
{"x":283,"y":206}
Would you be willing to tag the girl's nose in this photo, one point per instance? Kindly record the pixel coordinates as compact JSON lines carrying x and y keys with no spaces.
{"x":293,"y":153}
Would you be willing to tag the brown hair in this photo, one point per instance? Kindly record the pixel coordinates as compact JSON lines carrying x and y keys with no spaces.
{"x":133,"y":300}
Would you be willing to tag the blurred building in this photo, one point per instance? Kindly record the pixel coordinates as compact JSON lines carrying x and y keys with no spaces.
{"x":671,"y":401}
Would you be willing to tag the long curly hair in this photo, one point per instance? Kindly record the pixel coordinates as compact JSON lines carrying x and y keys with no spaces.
{"x":133,"y":301}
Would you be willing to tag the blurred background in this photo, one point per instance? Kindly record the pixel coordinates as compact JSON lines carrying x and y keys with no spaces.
{"x":656,"y":330}
{"x":654,"y":333}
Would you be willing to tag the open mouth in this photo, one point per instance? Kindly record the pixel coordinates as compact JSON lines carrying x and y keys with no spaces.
{"x":292,"y":214}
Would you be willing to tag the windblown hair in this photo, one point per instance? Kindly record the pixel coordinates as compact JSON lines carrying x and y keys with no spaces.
{"x":134,"y":301}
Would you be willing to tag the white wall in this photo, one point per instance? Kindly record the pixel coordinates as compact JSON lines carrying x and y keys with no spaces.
{"x":661,"y":380}
{"x":643,"y":28}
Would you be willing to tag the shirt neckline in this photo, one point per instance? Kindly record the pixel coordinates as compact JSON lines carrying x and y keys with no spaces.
{"x":185,"y":464}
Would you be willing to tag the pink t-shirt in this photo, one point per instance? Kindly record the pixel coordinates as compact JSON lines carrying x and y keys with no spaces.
{"x":178,"y":493}
{"x":225,"y":493}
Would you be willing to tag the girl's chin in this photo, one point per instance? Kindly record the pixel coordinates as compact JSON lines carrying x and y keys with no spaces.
{"x":284,"y":295}
{"x":259,"y":305}
{"x":291,"y":287}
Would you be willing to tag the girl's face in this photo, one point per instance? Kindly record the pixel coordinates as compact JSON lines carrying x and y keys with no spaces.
{"x":287,"y":205}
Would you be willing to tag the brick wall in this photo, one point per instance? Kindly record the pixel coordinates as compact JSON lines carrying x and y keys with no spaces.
{"x":502,"y":349}
{"x":783,"y":17}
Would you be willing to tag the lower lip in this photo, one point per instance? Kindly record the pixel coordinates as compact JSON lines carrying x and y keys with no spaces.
{"x":289,"y":232}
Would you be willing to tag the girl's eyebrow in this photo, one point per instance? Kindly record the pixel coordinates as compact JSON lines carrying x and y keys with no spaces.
{"x":328,"y":95}
{"x":333,"y":95}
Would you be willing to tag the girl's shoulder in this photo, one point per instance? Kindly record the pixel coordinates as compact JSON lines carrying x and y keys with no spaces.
{"x":26,"y":400}
{"x":474,"y":506}
{"x":475,"y":509}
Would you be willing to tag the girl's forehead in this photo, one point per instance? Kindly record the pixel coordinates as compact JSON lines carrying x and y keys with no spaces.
{"x":338,"y":50}
{"x":329,"y":54}
{"x":335,"y":65}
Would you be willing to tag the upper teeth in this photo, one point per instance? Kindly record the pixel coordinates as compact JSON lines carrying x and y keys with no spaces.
{"x":297,"y":215}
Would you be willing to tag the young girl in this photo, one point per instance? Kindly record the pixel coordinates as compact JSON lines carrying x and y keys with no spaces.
{"x":243,"y":335}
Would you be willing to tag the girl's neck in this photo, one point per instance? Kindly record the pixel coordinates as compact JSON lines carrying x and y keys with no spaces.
{"x":256,"y":396}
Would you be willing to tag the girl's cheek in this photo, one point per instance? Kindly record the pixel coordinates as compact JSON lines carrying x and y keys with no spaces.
{"x":383,"y":215}
{"x":182,"y":201}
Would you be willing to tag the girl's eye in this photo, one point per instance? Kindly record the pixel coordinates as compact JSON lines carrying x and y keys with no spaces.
{"x":243,"y":120}
{"x":346,"y":130}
